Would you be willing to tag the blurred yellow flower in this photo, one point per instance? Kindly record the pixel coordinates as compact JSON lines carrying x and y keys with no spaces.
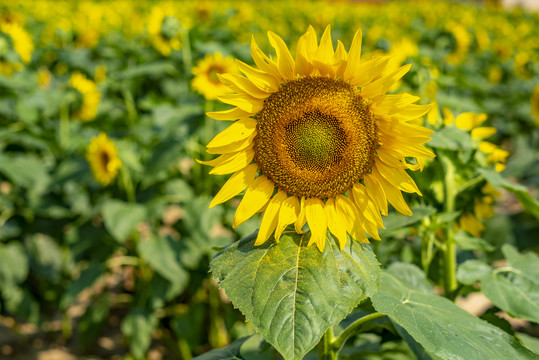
{"x":90,"y":96}
{"x":44,"y":78}
{"x":164,"y":43}
{"x":102,"y":156}
{"x":22,"y":40}
{"x":206,"y":73}
{"x":470,"y":223}
{"x":471,"y":122}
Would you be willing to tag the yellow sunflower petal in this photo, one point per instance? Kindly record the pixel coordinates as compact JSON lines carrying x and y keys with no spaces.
{"x":263,"y":62}
{"x":487,"y":147}
{"x":375,"y":190}
{"x":245,"y":102}
{"x":349,"y":214}
{"x":394,"y":196}
{"x":335,"y":223}
{"x":232,"y":114}
{"x":318,"y":222}
{"x":449,"y":118}
{"x":339,"y":60}
{"x":284,"y":59}
{"x":382,"y":85}
{"x":465,"y":121}
{"x":255,"y":198}
{"x":432,"y":115}
{"x":483,"y":132}
{"x":324,"y":53}
{"x":393,"y":171}
{"x":371,"y":218}
{"x":233,"y":147}
{"x":390,"y":104}
{"x":241,"y":84}
{"x":236,"y":184}
{"x":354,"y":56}
{"x":368,"y":70}
{"x":233,"y":163}
{"x":301,"y":220}
{"x":305,"y":50}
{"x":288,"y":214}
{"x":270,"y":219}
{"x":239,"y":130}
{"x":260,"y":79}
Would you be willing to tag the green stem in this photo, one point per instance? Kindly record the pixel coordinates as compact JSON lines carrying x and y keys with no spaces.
{"x":470,"y":183}
{"x":187,"y":57}
{"x":353,"y":329}
{"x":129,"y":106}
{"x":449,"y":249}
{"x":325,"y":350}
{"x":64,"y":126}
{"x":127,"y":184}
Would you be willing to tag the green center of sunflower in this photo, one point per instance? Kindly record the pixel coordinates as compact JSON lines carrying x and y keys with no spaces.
{"x":316,"y":137}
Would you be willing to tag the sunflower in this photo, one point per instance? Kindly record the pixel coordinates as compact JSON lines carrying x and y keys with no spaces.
{"x":317,"y":140}
{"x":90,"y":96}
{"x":102,"y":156}
{"x":206,"y":81}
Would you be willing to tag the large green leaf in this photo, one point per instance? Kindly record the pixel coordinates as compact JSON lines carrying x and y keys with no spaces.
{"x":121,"y":218}
{"x":159,"y":253}
{"x":515,"y":288}
{"x":291,"y":293}
{"x":442,"y":327}
{"x":528,"y":202}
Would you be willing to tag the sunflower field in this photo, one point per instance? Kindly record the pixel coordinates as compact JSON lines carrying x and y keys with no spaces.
{"x":269,"y":180}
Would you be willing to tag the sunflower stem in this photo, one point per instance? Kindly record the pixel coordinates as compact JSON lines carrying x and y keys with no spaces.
{"x":64,"y":126}
{"x":449,"y":249}
{"x":325,"y":349}
{"x":127,"y":184}
{"x":186,"y":51}
{"x":353,"y":329}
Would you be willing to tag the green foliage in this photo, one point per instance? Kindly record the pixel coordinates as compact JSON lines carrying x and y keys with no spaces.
{"x":292,"y":293}
{"x":442,"y":327}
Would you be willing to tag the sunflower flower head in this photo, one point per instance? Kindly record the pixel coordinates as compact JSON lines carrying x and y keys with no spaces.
{"x":207,"y":72}
{"x":317,"y":140}
{"x":90,"y":96}
{"x":102,"y":156}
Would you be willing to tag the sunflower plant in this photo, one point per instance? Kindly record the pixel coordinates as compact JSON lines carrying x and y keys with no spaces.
{"x":320,"y":147}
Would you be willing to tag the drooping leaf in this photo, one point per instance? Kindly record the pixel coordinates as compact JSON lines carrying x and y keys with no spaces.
{"x":451,"y":138}
{"x":522,"y":194}
{"x":472,"y":270}
{"x":291,"y":293}
{"x":442,"y":327}
{"x":515,"y":288}
{"x":469,"y":242}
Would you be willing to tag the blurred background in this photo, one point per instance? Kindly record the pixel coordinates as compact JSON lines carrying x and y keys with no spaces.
{"x":105,"y":231}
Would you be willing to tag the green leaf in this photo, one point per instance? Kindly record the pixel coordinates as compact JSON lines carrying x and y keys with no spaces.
{"x":442,"y":327}
{"x":121,"y":218}
{"x":396,"y":221}
{"x":515,"y":288}
{"x":451,"y":138}
{"x":230,"y":352}
{"x":472,"y":271}
{"x":138,"y":327}
{"x":469,"y":242}
{"x":412,"y":276}
{"x":292,"y":293}
{"x":13,"y":264}
{"x":522,"y":194}
{"x":160,"y":254}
